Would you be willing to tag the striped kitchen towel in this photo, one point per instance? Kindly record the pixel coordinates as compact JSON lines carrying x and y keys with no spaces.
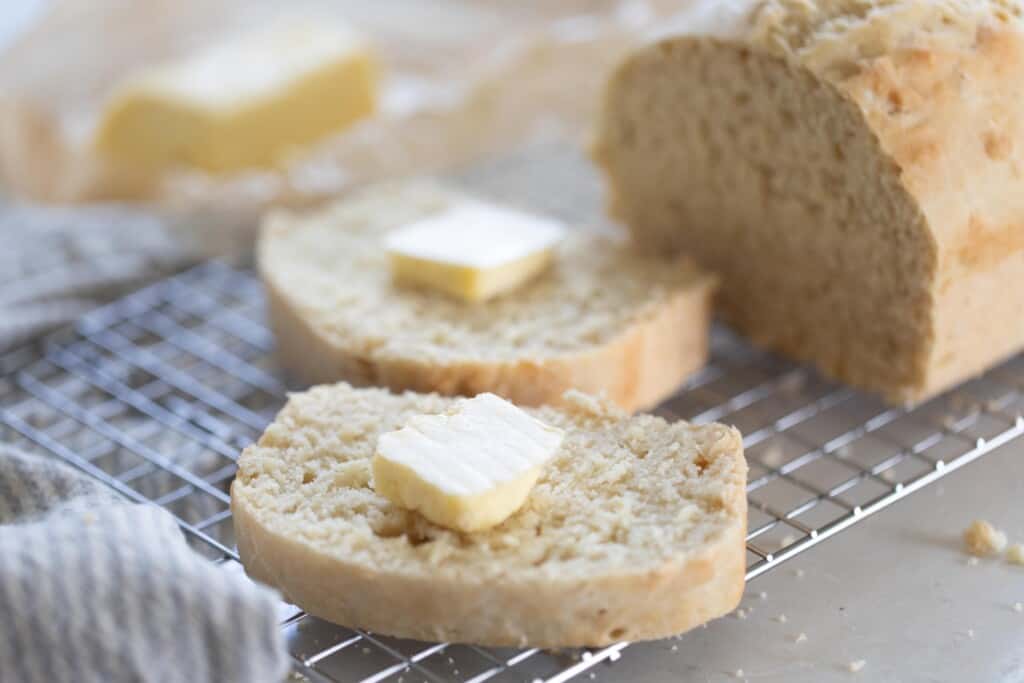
{"x":94,"y":588}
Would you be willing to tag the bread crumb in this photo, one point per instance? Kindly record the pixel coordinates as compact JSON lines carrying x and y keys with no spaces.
{"x":782,"y":619}
{"x":593,"y":675}
{"x":738,"y":673}
{"x":741,"y":613}
{"x":793,"y":385}
{"x":763,"y":595}
{"x":970,"y":633}
{"x":972,"y":561}
{"x":366,"y":650}
{"x":1018,"y":607}
{"x":772,"y":456}
{"x":799,"y":573}
{"x":949,"y":422}
{"x":786,"y":541}
{"x":800,"y":638}
{"x":1015,"y":554}
{"x":89,"y":518}
{"x":983,"y":539}
{"x":674,"y":648}
{"x":856,"y":665}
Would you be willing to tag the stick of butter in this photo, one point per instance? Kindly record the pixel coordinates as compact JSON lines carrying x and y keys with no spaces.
{"x":244,"y":103}
{"x":467,"y":470}
{"x":473,"y":251}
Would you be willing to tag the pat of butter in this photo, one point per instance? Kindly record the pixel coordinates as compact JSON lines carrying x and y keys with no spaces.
{"x":473,"y":251}
{"x":244,"y":103}
{"x":466,"y":470}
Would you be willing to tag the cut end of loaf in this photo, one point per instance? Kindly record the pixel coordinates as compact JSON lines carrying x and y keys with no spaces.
{"x":773,"y":179}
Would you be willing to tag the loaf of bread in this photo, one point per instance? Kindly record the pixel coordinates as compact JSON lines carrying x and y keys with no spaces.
{"x":854,"y":170}
{"x":634,"y":530}
{"x":602,"y":319}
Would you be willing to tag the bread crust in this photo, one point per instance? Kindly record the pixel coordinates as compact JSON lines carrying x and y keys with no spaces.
{"x":484,"y":599}
{"x":574,"y":612}
{"x":636,"y":370}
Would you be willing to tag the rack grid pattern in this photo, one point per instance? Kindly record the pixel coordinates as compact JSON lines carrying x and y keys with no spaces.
{"x":157,"y":393}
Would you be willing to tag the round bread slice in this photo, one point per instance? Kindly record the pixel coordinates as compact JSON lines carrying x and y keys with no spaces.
{"x":635,"y":529}
{"x":602,"y":319}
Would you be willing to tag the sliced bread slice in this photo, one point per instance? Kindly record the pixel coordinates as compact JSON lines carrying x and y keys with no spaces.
{"x":635,"y":529}
{"x":602,"y":319}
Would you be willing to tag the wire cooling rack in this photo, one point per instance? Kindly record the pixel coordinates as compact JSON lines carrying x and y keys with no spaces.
{"x":157,"y":393}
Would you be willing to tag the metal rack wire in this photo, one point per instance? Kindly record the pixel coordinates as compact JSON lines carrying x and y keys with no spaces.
{"x":157,"y":393}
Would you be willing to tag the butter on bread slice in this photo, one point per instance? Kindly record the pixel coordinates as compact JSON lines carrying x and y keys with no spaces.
{"x":601,"y":318}
{"x":473,"y":250}
{"x":634,"y":530}
{"x":466,"y":469}
{"x":244,"y":103}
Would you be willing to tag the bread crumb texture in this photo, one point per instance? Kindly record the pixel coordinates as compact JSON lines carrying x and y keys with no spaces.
{"x":1015,"y":554}
{"x":983,"y":540}
{"x":856,"y":666}
{"x":834,"y":37}
{"x":623,"y":502}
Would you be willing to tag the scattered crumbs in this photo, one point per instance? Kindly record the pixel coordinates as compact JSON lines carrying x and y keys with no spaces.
{"x":799,"y":573}
{"x":1018,"y":607}
{"x":593,"y":675}
{"x":741,"y":613}
{"x":786,"y":541}
{"x":455,"y":672}
{"x":703,"y":625}
{"x":972,"y":561}
{"x":782,"y":619}
{"x":856,"y":665}
{"x":888,"y":475}
{"x":983,"y":539}
{"x":772,"y":456}
{"x":763,"y":595}
{"x":451,"y":661}
{"x":793,"y":384}
{"x":738,"y":673}
{"x":675,"y":648}
{"x":800,"y":638}
{"x":89,"y":518}
{"x":1015,"y":554}
{"x":949,"y":423}
{"x":970,"y":633}
{"x":992,"y":405}
{"x":366,"y":650}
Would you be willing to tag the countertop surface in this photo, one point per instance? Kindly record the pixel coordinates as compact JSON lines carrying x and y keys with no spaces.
{"x":896,"y":591}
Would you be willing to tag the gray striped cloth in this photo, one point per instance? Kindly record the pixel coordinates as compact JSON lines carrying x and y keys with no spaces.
{"x":94,"y":588}
{"x":57,"y":263}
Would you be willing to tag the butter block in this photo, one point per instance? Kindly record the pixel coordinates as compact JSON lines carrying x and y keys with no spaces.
{"x":473,"y":251}
{"x":466,"y":470}
{"x":245,"y":103}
